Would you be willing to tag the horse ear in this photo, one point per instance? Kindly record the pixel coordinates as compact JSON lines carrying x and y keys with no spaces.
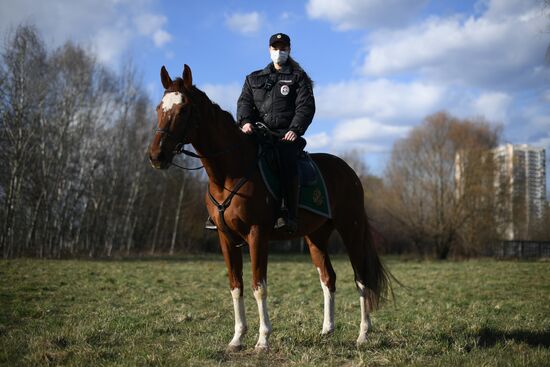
{"x":165,"y":78}
{"x":187,"y":76}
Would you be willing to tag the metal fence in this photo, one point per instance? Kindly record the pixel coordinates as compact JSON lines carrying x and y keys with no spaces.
{"x":522,"y":249}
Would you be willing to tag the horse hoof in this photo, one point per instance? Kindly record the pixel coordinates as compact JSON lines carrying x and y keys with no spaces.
{"x":261,"y":349}
{"x":234,"y":348}
{"x":327,"y":333}
{"x":362,"y":340}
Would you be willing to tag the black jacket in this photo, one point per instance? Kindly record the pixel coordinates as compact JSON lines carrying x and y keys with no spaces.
{"x":282,"y":100}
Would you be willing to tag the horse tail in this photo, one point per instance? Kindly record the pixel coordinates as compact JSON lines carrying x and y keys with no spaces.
{"x":377,"y":277}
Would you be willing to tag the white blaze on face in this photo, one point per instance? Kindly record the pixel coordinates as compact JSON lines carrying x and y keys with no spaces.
{"x":171,"y":99}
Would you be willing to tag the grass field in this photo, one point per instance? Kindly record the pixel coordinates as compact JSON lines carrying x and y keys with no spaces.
{"x":179,"y":312}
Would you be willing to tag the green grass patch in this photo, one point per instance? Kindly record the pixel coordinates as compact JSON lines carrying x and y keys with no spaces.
{"x":179,"y":312}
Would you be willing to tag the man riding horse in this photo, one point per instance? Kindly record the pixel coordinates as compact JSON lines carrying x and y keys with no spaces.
{"x":281,"y":97}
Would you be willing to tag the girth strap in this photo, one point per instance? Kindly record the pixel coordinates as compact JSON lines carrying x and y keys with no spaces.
{"x":238,"y":242}
{"x":221,"y":210}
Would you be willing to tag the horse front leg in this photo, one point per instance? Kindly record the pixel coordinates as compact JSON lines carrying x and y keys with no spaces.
{"x":234,"y":262}
{"x":258,"y":256}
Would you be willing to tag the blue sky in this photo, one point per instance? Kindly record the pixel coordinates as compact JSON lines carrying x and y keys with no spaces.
{"x":379,"y":66}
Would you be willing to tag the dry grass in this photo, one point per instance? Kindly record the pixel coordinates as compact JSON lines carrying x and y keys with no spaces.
{"x":179,"y":312}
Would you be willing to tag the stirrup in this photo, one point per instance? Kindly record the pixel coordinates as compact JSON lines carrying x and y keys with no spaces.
{"x":280,"y":223}
{"x":282,"y":219}
{"x":285,"y":224}
{"x":210,"y":224}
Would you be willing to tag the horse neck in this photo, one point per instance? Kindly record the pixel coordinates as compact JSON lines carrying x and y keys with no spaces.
{"x":232,"y":153}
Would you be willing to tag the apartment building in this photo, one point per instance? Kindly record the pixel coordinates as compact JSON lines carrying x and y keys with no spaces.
{"x":520,"y":186}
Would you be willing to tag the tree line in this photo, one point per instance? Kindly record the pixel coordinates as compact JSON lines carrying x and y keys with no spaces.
{"x":441,"y":194}
{"x":75,"y":178}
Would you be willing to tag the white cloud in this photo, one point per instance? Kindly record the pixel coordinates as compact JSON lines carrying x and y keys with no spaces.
{"x":317,"y":141}
{"x":109,"y":26}
{"x":379,"y":99}
{"x":502,"y":9}
{"x":161,"y":37}
{"x":244,"y":23}
{"x":493,"y":106}
{"x":363,"y":129}
{"x":148,"y":23}
{"x":151,"y":25}
{"x":353,"y":14}
{"x":502,"y":48}
{"x":108,"y":43}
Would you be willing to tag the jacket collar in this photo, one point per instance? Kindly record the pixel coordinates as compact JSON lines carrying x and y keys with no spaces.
{"x":286,"y":69}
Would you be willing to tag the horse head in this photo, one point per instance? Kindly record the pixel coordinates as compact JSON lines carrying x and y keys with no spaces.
{"x":175,"y":118}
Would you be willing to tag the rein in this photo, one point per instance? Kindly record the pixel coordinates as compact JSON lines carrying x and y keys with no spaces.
{"x":181,"y":150}
{"x":166,"y":132}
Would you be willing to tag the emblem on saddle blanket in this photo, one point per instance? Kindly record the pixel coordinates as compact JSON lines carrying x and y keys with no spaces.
{"x":313,"y":192}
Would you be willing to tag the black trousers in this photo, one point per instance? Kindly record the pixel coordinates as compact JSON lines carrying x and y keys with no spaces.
{"x":289,"y":151}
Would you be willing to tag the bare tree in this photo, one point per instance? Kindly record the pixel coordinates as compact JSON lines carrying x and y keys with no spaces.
{"x":75,"y":179}
{"x":427,"y":194}
{"x":23,"y":71}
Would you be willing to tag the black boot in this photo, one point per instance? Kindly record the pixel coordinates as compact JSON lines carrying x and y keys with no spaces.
{"x":288,"y":220}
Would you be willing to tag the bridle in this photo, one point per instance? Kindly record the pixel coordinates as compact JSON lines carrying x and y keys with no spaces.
{"x":180,"y":146}
{"x":177,"y":150}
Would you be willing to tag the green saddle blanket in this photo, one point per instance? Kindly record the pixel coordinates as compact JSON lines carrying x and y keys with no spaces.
{"x":313,"y":191}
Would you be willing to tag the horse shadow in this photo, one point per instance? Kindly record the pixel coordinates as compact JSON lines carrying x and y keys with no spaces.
{"x":487,"y":337}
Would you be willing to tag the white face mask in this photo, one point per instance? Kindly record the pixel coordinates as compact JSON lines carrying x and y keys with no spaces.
{"x":278,"y":56}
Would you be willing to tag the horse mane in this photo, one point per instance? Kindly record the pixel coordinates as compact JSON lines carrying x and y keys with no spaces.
{"x":220,"y":111}
{"x":204,"y":99}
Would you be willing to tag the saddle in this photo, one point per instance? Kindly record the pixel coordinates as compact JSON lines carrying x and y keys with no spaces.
{"x":313,"y":192}
{"x":266,"y":140}
{"x":306,"y":167}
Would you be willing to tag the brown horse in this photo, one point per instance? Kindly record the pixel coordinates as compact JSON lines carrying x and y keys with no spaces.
{"x":186,"y":115}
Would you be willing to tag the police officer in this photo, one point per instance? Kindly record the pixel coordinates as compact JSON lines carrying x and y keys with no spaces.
{"x":281,"y":97}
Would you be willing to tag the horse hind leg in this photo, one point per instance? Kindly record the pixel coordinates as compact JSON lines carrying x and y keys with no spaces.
{"x":317,"y":243}
{"x":370,"y":276}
